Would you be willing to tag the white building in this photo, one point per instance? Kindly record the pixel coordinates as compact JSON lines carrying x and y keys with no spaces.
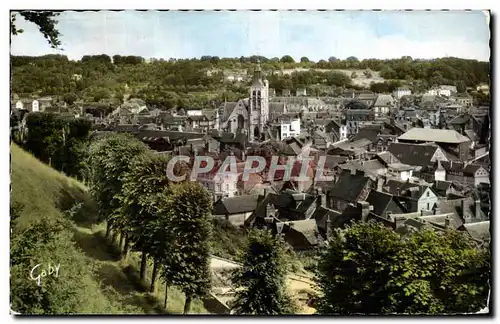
{"x":220,"y":185}
{"x":35,"y":106}
{"x":343,"y":132}
{"x":288,"y":129}
{"x":19,"y":104}
{"x":401,"y":92}
{"x":194,"y":112}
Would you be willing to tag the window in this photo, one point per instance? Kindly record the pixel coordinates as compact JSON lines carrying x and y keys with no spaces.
{"x":428,"y":205}
{"x":428,"y":194}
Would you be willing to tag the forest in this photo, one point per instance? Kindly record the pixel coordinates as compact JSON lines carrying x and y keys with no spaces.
{"x":200,"y":83}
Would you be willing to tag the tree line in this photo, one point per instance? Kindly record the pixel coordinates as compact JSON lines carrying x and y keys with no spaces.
{"x":100,"y":77}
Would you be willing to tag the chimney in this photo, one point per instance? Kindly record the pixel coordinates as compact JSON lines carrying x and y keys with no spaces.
{"x":447,"y":222}
{"x":462,"y":205}
{"x":321,"y":199}
{"x":365,"y":210}
{"x":328,"y":226}
{"x":380,"y":184}
{"x":477,"y":212}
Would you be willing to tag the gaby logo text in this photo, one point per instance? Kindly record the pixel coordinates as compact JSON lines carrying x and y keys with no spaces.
{"x":38,"y":272}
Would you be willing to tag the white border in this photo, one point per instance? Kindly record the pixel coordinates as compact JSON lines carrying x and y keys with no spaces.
{"x":185,"y":4}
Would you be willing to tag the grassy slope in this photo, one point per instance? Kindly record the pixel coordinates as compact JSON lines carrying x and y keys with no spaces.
{"x":42,"y":190}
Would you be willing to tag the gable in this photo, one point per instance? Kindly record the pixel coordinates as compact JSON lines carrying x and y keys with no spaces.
{"x":438,"y":155}
{"x":428,"y":194}
{"x":481,"y":172}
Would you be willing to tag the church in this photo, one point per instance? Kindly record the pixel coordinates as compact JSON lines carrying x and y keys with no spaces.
{"x":251,"y":115}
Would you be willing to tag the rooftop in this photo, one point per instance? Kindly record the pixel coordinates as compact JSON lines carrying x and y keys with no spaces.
{"x":434,"y":135}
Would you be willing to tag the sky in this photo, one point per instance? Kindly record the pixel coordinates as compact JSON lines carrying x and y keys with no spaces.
{"x":314,"y":34}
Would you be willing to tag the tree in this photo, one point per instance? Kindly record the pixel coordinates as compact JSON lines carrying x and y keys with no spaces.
{"x":421,"y":272}
{"x":461,"y":86}
{"x":187,"y":265}
{"x":332,"y":59}
{"x":45,"y":135}
{"x":352,"y":58}
{"x":304,"y":59}
{"x":262,"y":277}
{"x":354,"y":75}
{"x":287,"y":59}
{"x":143,"y":184}
{"x":109,"y":160}
{"x":46,"y":22}
{"x":367,"y":73}
{"x":70,"y":98}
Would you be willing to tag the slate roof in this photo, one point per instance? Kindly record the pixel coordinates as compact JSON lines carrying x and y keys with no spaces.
{"x":370,"y":166}
{"x":332,"y":161}
{"x":439,"y":220}
{"x":394,"y":186}
{"x":471,"y":135}
{"x":276,"y":107}
{"x":227,"y":109}
{"x":383,"y":100}
{"x":441,"y":187}
{"x":236,"y":205}
{"x":468,"y":170}
{"x":434,"y":135}
{"x":322,"y":214}
{"x":307,"y":228}
{"x":455,"y":206}
{"x":349,"y":186}
{"x":413,"y":154}
{"x":383,"y":202}
{"x":479,"y":231}
{"x":460,"y":120}
{"x":387,"y":157}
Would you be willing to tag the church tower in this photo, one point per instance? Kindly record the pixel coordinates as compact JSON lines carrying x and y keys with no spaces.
{"x":258,"y":105}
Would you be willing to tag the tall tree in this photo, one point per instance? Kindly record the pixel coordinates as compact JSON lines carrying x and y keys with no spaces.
{"x":187,"y":265}
{"x":145,"y":181}
{"x":109,"y":160}
{"x":261,"y":281}
{"x":423,"y":272}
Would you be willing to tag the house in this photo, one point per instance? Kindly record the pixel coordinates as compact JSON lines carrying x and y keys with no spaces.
{"x":289,"y":205}
{"x":416,"y":154}
{"x":469,"y":209}
{"x":219,"y":184}
{"x":367,"y":98}
{"x":384,"y":204}
{"x":485,"y":88}
{"x":383,"y":105}
{"x":301,"y":92}
{"x":464,"y":99}
{"x":300,"y":234}
{"x":290,"y":128}
{"x":466,"y":173}
{"x":235,"y":209}
{"x":351,"y":187}
{"x":400,"y":171}
{"x":401,"y":92}
{"x":444,"y":188}
{"x":372,"y":167}
{"x":447,"y":90}
{"x":414,"y":197}
{"x":448,"y":140}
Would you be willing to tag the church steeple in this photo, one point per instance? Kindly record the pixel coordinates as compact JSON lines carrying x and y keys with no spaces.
{"x":257,"y":75}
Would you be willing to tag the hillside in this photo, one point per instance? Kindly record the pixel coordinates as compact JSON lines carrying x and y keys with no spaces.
{"x":108,"y":283}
